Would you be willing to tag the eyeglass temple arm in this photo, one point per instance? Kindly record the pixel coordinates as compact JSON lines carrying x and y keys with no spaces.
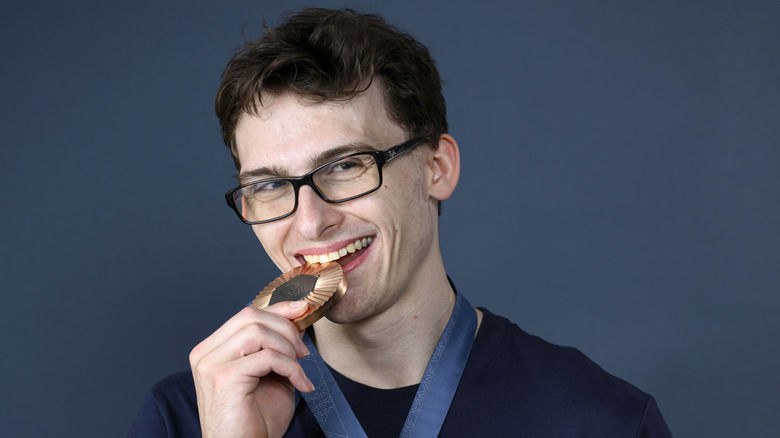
{"x":402,"y":148}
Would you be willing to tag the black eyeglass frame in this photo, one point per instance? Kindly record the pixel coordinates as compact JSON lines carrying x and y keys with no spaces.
{"x":380,"y":157}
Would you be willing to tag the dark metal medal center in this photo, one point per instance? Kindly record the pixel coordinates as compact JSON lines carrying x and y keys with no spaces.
{"x":294,"y":289}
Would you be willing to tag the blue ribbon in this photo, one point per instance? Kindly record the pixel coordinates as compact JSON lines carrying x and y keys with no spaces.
{"x":434,"y":395}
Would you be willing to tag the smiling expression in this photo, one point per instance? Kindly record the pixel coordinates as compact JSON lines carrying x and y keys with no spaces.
{"x":385,"y":241}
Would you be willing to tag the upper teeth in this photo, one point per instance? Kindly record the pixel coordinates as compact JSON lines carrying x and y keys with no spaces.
{"x":335,"y":255}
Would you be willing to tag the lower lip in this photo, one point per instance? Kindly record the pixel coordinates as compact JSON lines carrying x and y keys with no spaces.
{"x":357,"y":261}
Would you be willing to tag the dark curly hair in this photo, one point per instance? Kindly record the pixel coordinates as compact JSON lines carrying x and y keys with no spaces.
{"x":332,"y":55}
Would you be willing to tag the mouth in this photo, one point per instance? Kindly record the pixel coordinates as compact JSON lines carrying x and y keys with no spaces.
{"x":343,"y":255}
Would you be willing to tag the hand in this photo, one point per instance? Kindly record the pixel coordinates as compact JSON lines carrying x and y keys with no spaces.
{"x":245,"y":373}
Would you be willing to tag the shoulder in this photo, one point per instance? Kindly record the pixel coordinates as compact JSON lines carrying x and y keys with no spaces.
{"x":547,"y":387}
{"x":543,"y":361}
{"x":179,"y":384}
{"x":175,"y":392}
{"x":170,"y":408}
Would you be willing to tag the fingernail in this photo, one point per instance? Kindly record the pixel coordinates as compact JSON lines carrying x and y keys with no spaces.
{"x":296,"y":304}
{"x":305,"y":349}
{"x":311,"y":385}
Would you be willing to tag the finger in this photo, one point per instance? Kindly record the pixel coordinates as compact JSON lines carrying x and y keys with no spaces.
{"x":251,"y":339}
{"x":292,"y":310}
{"x":288,"y":309}
{"x":246,"y":316}
{"x":264,"y":362}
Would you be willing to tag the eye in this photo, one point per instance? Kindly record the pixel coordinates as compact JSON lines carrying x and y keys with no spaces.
{"x":267,"y":190}
{"x":346,"y":168}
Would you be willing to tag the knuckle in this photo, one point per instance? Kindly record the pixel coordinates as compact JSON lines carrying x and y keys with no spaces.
{"x":292,"y":331}
{"x":248,"y":311}
{"x":202,"y":368}
{"x":220,"y":377}
{"x":269,"y":357}
{"x":196,"y":354}
{"x":280,"y":363}
{"x":258,"y":329}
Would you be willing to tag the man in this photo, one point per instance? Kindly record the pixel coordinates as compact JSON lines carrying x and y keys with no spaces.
{"x":337,"y":126}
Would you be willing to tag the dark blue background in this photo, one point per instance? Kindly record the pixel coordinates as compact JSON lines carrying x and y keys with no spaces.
{"x":619,"y":194}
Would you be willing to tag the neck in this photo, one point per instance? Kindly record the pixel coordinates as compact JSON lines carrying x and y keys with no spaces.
{"x":390,"y":349}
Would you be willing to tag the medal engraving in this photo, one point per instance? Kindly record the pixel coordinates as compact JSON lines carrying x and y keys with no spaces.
{"x":295,"y":289}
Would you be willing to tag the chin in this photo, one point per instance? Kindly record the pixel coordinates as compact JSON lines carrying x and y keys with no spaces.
{"x":349,"y":310}
{"x":342,"y":315}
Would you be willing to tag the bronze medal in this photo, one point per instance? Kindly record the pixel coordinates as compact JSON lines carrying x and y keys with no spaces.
{"x":320,"y":285}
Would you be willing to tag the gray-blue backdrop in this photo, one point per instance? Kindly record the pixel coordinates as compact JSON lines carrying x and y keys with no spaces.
{"x":619,"y":194}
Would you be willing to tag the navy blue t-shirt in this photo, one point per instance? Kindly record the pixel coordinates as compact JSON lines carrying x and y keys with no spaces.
{"x":514,"y":384}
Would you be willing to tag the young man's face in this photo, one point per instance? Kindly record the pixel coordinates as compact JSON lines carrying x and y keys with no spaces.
{"x":400,"y":218}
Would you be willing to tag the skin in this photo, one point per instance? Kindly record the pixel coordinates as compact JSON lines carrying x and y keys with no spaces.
{"x":383,"y":332}
{"x":244,"y":370}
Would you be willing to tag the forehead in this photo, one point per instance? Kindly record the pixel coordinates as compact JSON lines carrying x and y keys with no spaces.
{"x":287,"y":133}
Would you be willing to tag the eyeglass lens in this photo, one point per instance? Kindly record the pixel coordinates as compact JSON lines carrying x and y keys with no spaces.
{"x":346,"y":178}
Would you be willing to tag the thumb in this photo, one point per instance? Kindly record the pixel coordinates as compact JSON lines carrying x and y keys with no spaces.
{"x":289,"y":309}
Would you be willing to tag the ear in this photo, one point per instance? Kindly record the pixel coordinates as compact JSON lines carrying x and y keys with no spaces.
{"x":444,"y":163}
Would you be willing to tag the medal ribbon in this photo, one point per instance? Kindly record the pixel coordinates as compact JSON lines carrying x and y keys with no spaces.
{"x":434,"y":395}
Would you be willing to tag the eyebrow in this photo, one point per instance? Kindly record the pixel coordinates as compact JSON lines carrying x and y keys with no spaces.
{"x":266,"y":172}
{"x":260,"y":173}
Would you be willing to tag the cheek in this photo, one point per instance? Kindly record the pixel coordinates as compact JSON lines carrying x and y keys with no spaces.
{"x":259,"y":233}
{"x":269,"y":237}
{"x":406,"y":201}
{"x":410,"y":190}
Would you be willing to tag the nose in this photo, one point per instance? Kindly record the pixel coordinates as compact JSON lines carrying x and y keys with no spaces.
{"x":314,"y":217}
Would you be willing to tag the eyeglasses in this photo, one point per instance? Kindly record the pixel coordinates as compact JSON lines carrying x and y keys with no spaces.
{"x":340,"y":180}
